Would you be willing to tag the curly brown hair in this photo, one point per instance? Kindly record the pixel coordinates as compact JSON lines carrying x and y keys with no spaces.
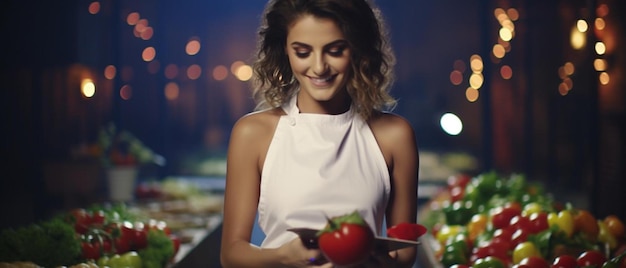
{"x":362,"y":24}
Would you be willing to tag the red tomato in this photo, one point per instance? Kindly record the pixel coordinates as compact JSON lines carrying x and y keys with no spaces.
{"x":406,"y":231}
{"x":457,"y":193}
{"x":519,"y":236}
{"x":564,"y":261}
{"x":139,"y":239}
{"x":593,"y":258}
{"x":520,"y":222}
{"x":349,"y":244}
{"x":81,"y":220}
{"x":460,"y":180}
{"x":498,"y":249}
{"x":538,"y":222}
{"x":90,"y":251}
{"x":535,"y":262}
{"x":501,"y":216}
{"x":97,"y":217}
{"x":505,"y":234}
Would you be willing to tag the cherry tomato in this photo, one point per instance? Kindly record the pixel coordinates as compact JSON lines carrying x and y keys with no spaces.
{"x":501,"y":216}
{"x":457,"y":193}
{"x":564,"y":261}
{"x":614,"y":225}
{"x":538,"y":222}
{"x":346,"y":240}
{"x":520,"y":222}
{"x":592,"y":258}
{"x":97,"y":217}
{"x":139,"y":239}
{"x":497,"y":248}
{"x":535,"y":262}
{"x":519,"y":236}
{"x":586,"y":223}
{"x":81,"y":220}
{"x":458,"y":180}
{"x":90,"y":251}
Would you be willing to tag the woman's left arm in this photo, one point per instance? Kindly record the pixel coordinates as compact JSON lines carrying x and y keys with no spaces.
{"x":396,"y":138}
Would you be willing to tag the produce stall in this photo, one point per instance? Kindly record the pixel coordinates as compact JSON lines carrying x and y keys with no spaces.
{"x":164,"y":227}
{"x":492,"y":220}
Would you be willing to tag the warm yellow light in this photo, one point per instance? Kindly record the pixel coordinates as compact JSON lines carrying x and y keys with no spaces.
{"x":568,"y":68}
{"x":563,"y":90}
{"x":582,"y":26}
{"x":498,"y":51}
{"x":604,"y":78}
{"x":600,"y":23}
{"x":599,"y":64}
{"x":235,"y":66}
{"x":600,"y":48}
{"x":476,"y":80}
{"x":476,"y":63}
{"x":513,"y":14}
{"x":244,"y":72}
{"x":506,"y":34}
{"x":472,"y":94}
{"x":88,"y":88}
{"x":578,"y":40}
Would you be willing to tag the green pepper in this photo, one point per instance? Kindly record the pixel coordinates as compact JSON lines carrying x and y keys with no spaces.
{"x":458,"y":212}
{"x":488,"y":262}
{"x":454,"y":253}
{"x":615,"y":262}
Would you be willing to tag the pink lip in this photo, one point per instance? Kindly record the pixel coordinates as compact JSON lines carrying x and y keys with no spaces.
{"x":322,"y":82}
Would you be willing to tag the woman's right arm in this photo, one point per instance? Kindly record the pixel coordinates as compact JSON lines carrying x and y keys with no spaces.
{"x":249,"y":141}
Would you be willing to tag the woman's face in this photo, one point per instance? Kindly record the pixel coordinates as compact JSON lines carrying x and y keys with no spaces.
{"x":319,"y":56}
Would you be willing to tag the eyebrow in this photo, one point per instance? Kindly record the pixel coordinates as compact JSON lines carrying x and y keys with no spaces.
{"x":334,"y":43}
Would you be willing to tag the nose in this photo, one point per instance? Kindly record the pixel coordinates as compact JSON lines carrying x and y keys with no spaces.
{"x":319,"y":65}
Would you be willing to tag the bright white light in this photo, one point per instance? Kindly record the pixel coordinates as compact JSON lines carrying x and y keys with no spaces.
{"x":451,"y":124}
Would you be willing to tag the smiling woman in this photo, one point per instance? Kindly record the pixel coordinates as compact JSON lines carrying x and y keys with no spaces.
{"x":322,"y":142}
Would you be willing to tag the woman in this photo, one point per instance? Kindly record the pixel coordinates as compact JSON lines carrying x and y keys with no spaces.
{"x":320,"y":143}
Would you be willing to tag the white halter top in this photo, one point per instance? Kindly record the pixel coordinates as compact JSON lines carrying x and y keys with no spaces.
{"x":319,"y":166}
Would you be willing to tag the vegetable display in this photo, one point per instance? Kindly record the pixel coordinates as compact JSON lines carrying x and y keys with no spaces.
{"x":99,"y":236}
{"x":495,"y":221}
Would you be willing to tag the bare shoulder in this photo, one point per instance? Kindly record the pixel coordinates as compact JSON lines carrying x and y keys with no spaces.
{"x":389,"y":126}
{"x":257,"y":124}
{"x":395,"y":137}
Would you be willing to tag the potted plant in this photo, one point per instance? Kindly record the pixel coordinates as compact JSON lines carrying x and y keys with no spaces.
{"x":122,"y":154}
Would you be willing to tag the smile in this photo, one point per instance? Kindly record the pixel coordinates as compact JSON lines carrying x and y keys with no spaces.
{"x":322,"y":81}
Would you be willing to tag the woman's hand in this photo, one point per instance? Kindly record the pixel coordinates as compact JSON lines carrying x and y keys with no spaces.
{"x":295,"y":254}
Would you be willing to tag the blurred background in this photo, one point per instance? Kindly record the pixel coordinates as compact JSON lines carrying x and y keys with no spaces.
{"x":516,"y":86}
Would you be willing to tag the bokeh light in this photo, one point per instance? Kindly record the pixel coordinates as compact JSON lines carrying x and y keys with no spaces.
{"x":94,"y":8}
{"x":126,"y":92}
{"x":220,"y":72}
{"x":192,"y":47}
{"x":171,"y":91}
{"x":110,"y":72}
{"x":451,"y":124}
{"x":88,"y":88}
